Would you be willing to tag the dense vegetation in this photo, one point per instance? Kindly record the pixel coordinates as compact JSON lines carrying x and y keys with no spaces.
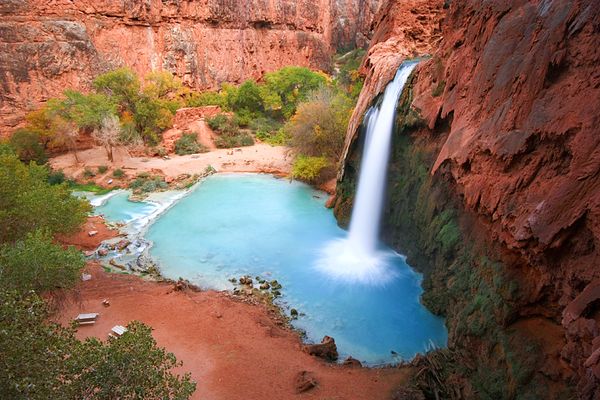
{"x":293,"y":106}
{"x":41,"y":360}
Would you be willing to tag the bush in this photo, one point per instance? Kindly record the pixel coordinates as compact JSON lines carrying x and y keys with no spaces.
{"x":188,"y":144}
{"x":217,"y":122}
{"x":118,"y":173}
{"x":56,"y":177}
{"x":43,"y":360}
{"x":319,"y":127}
{"x":28,"y":146}
{"x":102,"y":169}
{"x":36,"y":263}
{"x":145,"y":183}
{"x":208,"y":98}
{"x":29,"y":203}
{"x":88,"y":173}
{"x":309,"y":169}
{"x":238,"y":140}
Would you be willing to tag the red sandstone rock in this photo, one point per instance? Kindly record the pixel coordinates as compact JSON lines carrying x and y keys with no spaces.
{"x":403,"y":29}
{"x":305,"y":381}
{"x":512,"y":95}
{"x":326,"y":350}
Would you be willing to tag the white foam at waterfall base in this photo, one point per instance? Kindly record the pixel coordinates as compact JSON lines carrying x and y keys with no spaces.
{"x":357,"y":258}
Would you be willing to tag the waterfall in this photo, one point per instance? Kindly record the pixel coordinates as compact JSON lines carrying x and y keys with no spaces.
{"x":357,"y":258}
{"x":366,"y":214}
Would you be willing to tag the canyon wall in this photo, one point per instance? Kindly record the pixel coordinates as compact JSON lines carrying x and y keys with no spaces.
{"x":46,"y":47}
{"x":494,"y":191}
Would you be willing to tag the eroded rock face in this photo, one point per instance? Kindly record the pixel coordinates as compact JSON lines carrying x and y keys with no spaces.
{"x":509,"y":124}
{"x":46,"y":47}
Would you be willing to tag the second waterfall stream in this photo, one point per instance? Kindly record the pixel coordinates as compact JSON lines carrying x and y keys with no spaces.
{"x":357,"y":258}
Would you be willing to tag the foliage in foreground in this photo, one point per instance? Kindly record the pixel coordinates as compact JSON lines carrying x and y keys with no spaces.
{"x":40,"y":360}
{"x":29,"y":203}
{"x":37,"y":263}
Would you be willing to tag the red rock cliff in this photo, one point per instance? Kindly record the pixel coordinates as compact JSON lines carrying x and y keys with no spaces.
{"x":46,"y":47}
{"x":511,"y":102}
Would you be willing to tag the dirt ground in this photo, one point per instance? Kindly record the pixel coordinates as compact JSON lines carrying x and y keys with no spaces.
{"x":234,"y":350}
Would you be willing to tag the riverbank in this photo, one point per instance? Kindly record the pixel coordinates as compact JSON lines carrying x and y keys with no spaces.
{"x":232,"y":348}
{"x":259,"y":158}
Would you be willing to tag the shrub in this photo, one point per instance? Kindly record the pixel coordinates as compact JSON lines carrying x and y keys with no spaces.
{"x":118,"y":173}
{"x":43,"y":360}
{"x":217,"y":122}
{"x":36,"y":263}
{"x":188,"y":144}
{"x":238,"y":140}
{"x":208,"y":98}
{"x":28,"y":202}
{"x":319,"y":127}
{"x":88,"y":173}
{"x":28,"y":146}
{"x":145,"y":183}
{"x":308,"y":168}
{"x":56,"y":177}
{"x":102,"y":169}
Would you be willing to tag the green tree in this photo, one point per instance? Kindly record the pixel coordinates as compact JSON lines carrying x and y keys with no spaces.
{"x":130,"y":367}
{"x":122,"y":85}
{"x":28,"y":202}
{"x":36,"y":263}
{"x":86,"y":111}
{"x":248,"y":97}
{"x":35,"y":356}
{"x":28,"y":145}
{"x":42,"y":360}
{"x":286,"y":88}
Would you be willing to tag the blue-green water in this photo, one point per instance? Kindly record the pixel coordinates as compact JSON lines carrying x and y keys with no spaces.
{"x":119,"y":209}
{"x":232,"y":225}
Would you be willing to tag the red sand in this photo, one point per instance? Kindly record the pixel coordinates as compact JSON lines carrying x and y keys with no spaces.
{"x":82,"y":240}
{"x":234,"y":350}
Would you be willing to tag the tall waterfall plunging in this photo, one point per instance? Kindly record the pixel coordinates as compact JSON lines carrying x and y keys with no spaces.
{"x":366,"y":214}
{"x":357,"y":258}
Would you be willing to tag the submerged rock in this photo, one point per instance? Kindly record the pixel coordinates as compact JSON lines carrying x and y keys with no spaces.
{"x":326,"y":350}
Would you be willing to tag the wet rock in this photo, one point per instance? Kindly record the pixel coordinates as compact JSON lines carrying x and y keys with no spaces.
{"x":265,"y":286}
{"x":294,"y":313}
{"x":233,"y":280}
{"x":326,"y":350}
{"x":245,"y":280}
{"x":276,"y":293}
{"x":103,"y":252}
{"x":352,"y":362}
{"x":305,"y":381}
{"x":275,"y":285}
{"x":122,"y":245}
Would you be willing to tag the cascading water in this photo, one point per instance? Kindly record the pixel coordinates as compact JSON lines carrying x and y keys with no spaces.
{"x":366,"y":214}
{"x":357,"y":258}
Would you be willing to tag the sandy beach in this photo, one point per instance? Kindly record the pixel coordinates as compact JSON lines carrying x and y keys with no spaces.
{"x":257,"y":158}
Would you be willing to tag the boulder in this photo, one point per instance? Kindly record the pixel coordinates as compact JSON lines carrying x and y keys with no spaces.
{"x":305,"y":381}
{"x":326,"y":350}
{"x":352,"y":362}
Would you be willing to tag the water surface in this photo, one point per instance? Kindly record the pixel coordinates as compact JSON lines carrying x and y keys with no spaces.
{"x":237,"y":224}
